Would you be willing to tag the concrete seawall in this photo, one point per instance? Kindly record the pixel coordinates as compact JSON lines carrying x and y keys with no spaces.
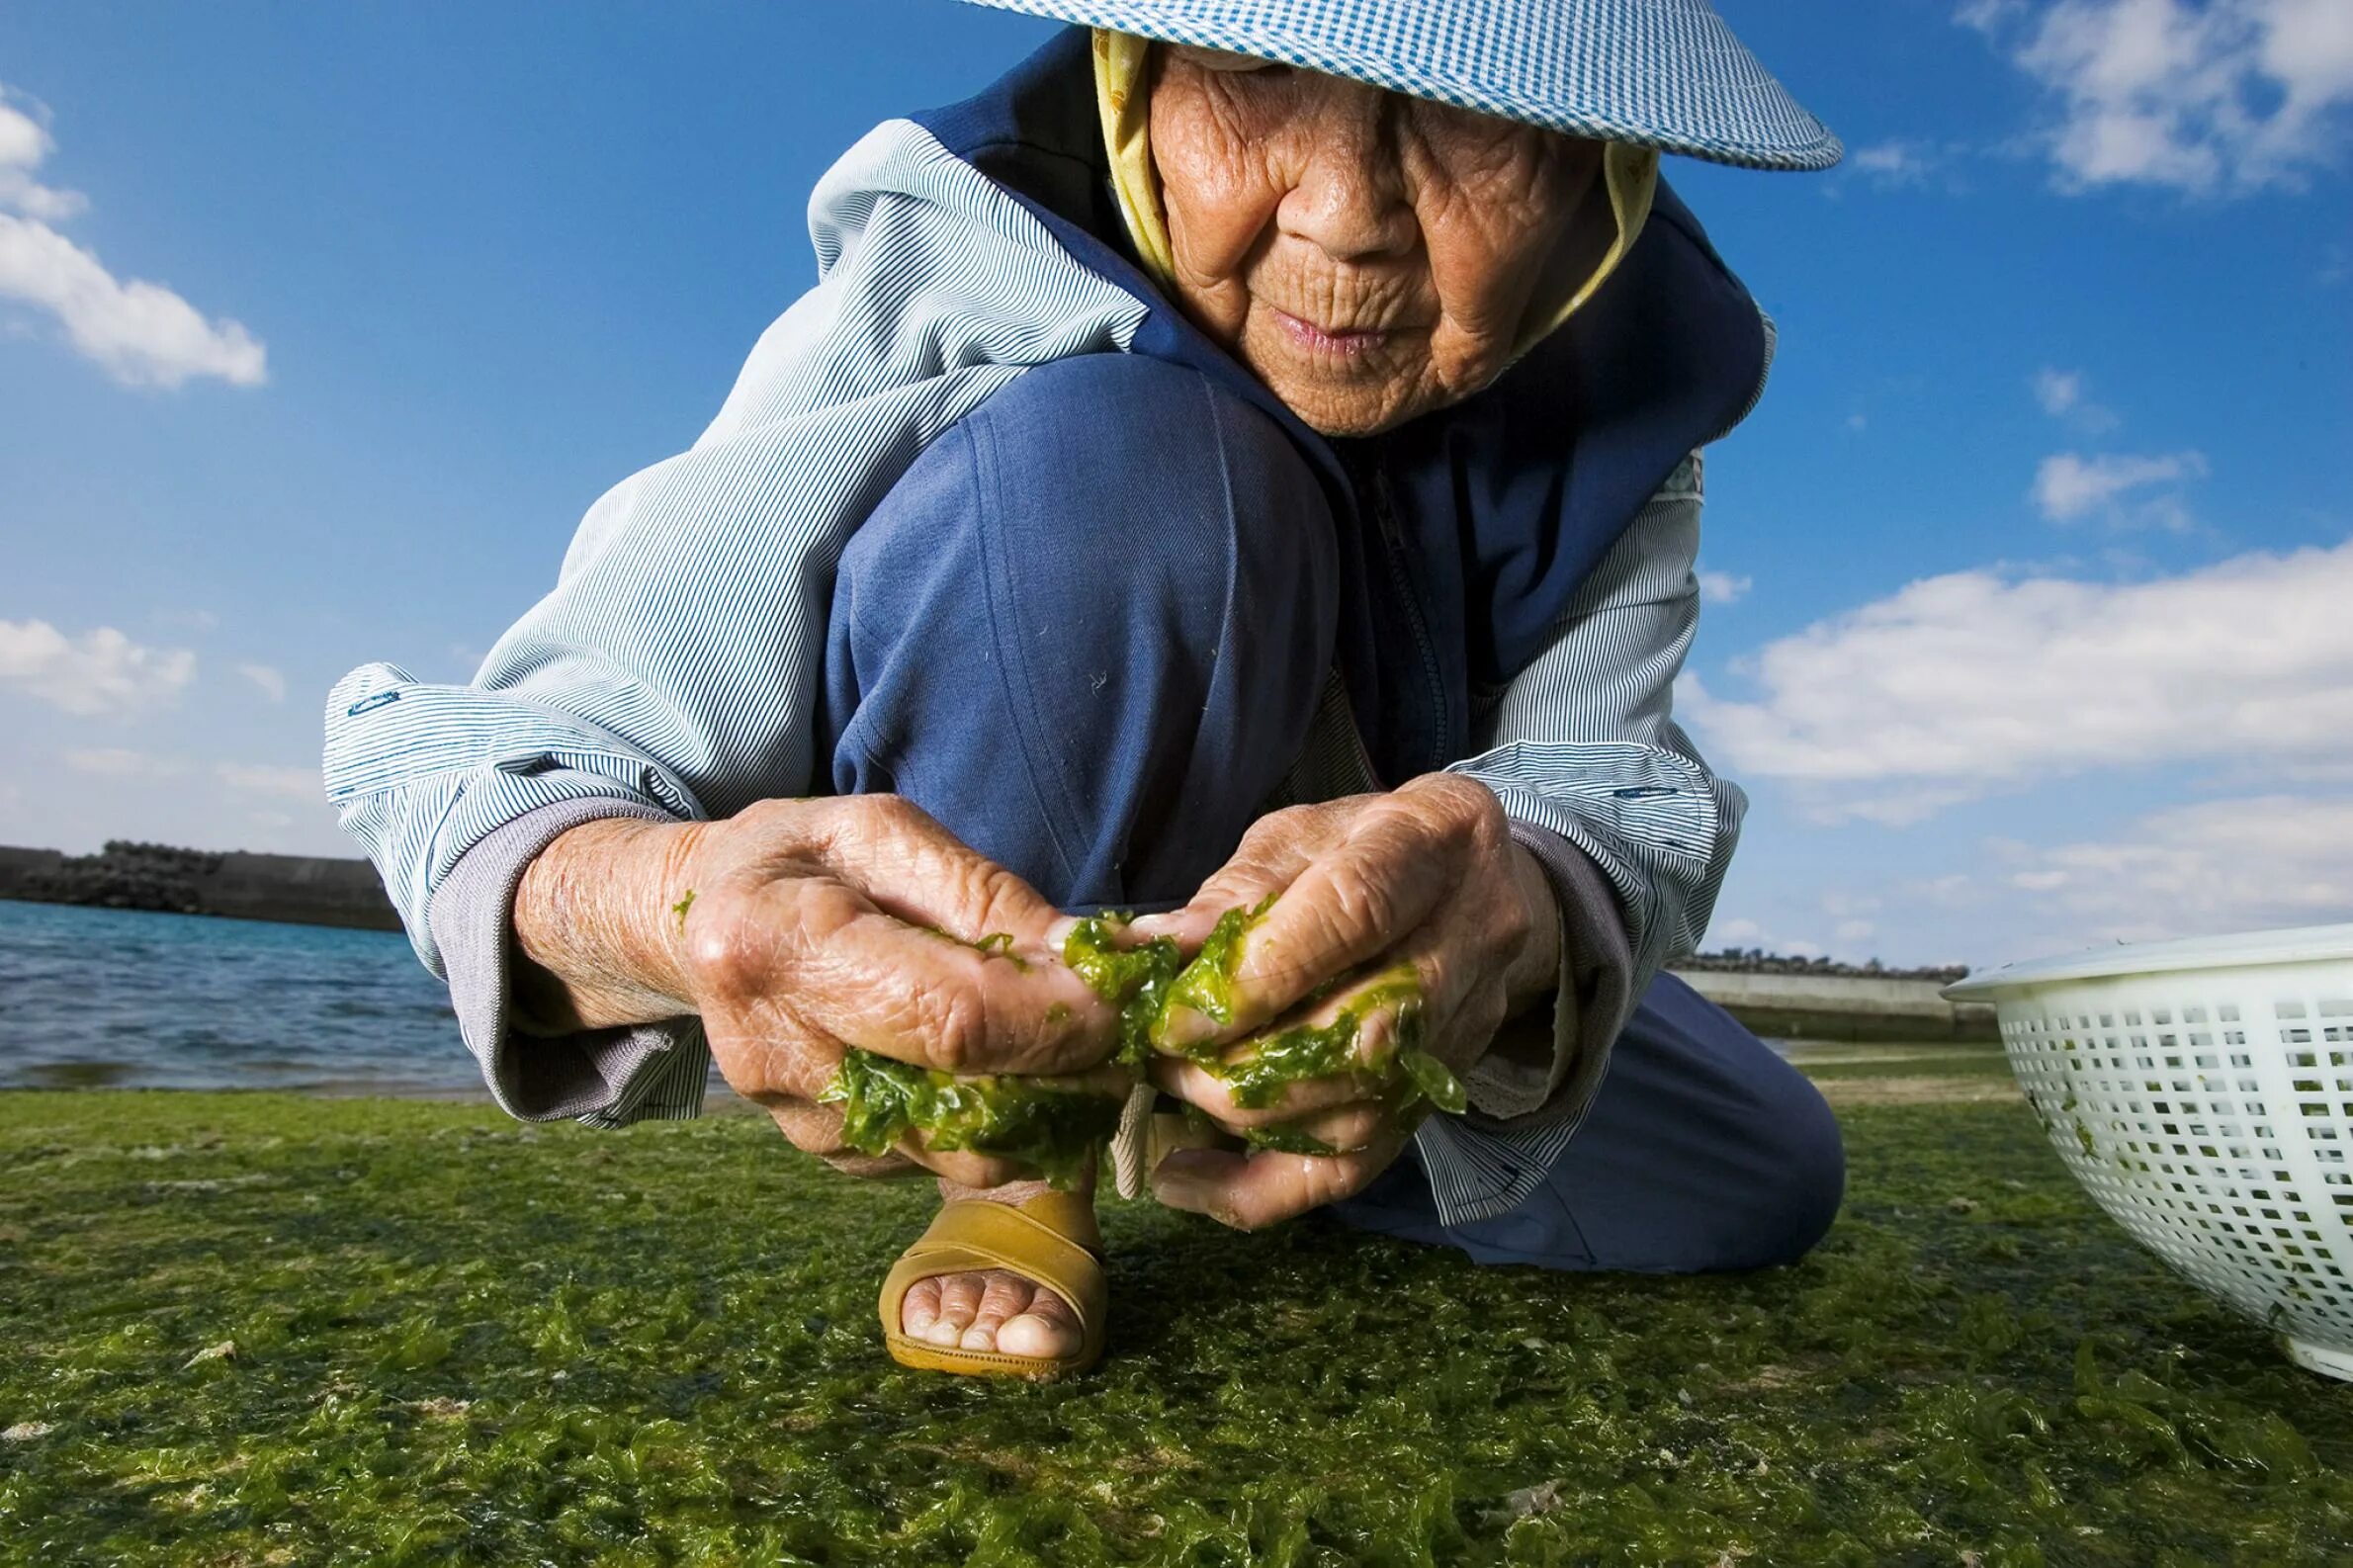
{"x":302,"y":890}
{"x":305,"y":890}
{"x":1844,"y":1007}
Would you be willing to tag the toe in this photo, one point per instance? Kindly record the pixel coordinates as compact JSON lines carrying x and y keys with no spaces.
{"x":1049,"y":1330}
{"x":1007,"y":1295}
{"x":959,"y":1300}
{"x":919,"y":1308}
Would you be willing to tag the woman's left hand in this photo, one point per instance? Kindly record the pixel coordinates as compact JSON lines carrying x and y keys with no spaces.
{"x":1425,"y":875}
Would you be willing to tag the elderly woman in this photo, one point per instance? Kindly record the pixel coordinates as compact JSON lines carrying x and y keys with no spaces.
{"x":1244,"y":460}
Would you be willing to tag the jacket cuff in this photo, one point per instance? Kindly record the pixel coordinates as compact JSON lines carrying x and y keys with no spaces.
{"x":1559,"y":1069}
{"x":605,"y":1077}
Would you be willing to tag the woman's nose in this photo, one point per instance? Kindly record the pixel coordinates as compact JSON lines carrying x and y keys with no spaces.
{"x":1350,"y":196}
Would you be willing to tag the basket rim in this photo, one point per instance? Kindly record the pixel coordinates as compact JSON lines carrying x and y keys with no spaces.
{"x":2295,"y":944}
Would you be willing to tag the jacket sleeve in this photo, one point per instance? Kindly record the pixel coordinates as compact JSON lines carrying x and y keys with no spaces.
{"x":1634,"y":831}
{"x":1583,"y":743}
{"x":674,"y":672}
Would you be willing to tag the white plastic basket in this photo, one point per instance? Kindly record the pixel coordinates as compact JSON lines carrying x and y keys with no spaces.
{"x":2202,"y":1093}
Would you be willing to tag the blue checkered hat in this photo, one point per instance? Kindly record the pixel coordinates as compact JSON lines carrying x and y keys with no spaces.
{"x":1657,"y":73}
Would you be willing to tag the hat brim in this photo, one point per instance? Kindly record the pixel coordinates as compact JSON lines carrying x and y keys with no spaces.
{"x":1656,"y":73}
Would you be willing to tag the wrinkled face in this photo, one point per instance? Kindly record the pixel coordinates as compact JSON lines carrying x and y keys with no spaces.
{"x":1371,"y":256}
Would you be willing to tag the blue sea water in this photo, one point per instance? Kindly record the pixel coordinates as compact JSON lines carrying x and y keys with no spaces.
{"x":117,"y":999}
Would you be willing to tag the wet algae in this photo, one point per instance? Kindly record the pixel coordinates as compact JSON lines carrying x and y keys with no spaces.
{"x":459,"y":1340}
{"x":1057,"y":1130}
{"x":1054,"y":1130}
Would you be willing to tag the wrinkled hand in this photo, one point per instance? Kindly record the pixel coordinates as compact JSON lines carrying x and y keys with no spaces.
{"x":1426,"y":876}
{"x":799,"y":929}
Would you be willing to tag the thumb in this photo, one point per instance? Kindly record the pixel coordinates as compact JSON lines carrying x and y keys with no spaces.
{"x":915,"y":870}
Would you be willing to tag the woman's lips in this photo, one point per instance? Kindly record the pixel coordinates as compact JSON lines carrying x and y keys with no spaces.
{"x":1342,"y":343}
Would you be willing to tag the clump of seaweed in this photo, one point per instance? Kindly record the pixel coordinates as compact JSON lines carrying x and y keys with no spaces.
{"x":1058,"y":1130}
{"x":1053,"y":1129}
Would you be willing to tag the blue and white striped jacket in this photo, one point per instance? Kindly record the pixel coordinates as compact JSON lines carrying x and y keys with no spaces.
{"x":675,"y":668}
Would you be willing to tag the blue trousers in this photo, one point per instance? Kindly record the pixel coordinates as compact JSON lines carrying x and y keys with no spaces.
{"x":1087,"y":632}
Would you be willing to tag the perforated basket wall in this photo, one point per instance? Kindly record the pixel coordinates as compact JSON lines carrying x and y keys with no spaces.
{"x":2211,"y":1113}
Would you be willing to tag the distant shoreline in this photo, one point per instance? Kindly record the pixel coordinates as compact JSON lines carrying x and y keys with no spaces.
{"x":1779,"y":997}
{"x":297,"y":890}
{"x":317,"y":890}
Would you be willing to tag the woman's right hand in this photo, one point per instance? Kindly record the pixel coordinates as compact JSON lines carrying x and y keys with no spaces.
{"x":801,"y":928}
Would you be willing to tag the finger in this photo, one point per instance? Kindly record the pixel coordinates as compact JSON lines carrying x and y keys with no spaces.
{"x":965,"y":1166}
{"x":1194,"y":1084}
{"x":1463,"y":972}
{"x":1273,"y":852}
{"x":1351,"y":905}
{"x":1111,"y":1081}
{"x":816,"y":1130}
{"x":1250,"y":1190}
{"x":924,"y":875}
{"x":1345,"y":1130}
{"x":980,"y":1167}
{"x":874,"y":982}
{"x":1347,"y":1040}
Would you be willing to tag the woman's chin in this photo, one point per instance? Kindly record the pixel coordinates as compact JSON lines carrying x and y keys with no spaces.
{"x":1343,"y":398}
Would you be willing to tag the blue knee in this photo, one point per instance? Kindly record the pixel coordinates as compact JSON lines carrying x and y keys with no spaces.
{"x":1130,"y":506}
{"x":1799,"y":1207}
{"x":1086,"y":630}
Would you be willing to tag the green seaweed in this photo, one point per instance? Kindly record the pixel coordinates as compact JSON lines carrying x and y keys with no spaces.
{"x":1135,"y":979}
{"x":1055,"y":1130}
{"x":997,"y":945}
{"x":1206,"y":985}
{"x":1000,"y":944}
{"x":884,"y":1100}
{"x":1435,"y":1079}
{"x":680,"y":908}
{"x":1406,"y":1075}
{"x":464,"y":1340}
{"x":1286,"y":1140}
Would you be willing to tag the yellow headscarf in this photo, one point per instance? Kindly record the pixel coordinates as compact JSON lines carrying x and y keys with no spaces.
{"x":1629,"y":174}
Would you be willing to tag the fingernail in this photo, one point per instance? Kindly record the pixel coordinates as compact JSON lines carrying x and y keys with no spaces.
{"x":1175,"y":1193}
{"x":1182,"y":1027}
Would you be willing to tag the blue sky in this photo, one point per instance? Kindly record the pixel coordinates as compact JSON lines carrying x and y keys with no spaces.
{"x":2031,"y":581}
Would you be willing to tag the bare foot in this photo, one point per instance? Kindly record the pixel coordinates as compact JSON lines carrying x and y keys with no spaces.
{"x":996,"y":1308}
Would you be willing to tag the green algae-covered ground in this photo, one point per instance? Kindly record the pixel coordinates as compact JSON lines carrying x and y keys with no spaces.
{"x":459,"y":1339}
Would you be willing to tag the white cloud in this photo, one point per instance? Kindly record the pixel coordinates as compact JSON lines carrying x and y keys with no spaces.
{"x":2069,"y":486}
{"x":1963,"y":684}
{"x":1893,"y":163}
{"x":258,"y":778}
{"x":2224,"y":97}
{"x":1721,"y":588}
{"x":102,"y":673}
{"x":115,"y":762}
{"x":2193,"y":870}
{"x":270,"y":681}
{"x":142,"y":333}
{"x":2057,"y":391}
{"x":2063,"y":395}
{"x":24,"y":143}
{"x":1742,"y":932}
